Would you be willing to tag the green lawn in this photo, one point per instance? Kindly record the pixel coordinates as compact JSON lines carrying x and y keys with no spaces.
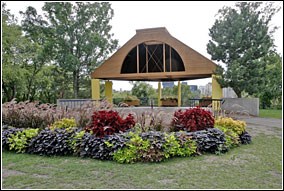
{"x":254,"y":166}
{"x":270,"y":113}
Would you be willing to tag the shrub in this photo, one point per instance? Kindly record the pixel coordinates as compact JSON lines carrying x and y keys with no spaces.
{"x":76,"y":141}
{"x":64,"y":123}
{"x":7,"y":132}
{"x":27,"y":114}
{"x":245,"y":138}
{"x":232,"y":138}
{"x":192,"y":119}
{"x":153,"y":146}
{"x":102,"y":148}
{"x":133,"y":151}
{"x":237,"y":126}
{"x":178,"y":147}
{"x":109,"y":122}
{"x":51,"y":142}
{"x":211,"y":140}
{"x":21,"y":139}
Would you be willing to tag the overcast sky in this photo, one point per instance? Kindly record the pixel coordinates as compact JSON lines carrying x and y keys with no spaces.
{"x":188,"y":21}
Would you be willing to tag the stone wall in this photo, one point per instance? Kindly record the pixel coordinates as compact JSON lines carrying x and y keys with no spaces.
{"x":241,"y":105}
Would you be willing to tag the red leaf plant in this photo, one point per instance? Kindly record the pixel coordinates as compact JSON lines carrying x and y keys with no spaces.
{"x":109,"y":122}
{"x":193,"y":119}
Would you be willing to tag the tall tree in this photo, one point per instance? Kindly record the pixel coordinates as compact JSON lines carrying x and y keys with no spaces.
{"x":142,"y":90}
{"x":13,"y":48}
{"x":81,"y":37}
{"x":240,"y":39}
{"x":38,"y":49}
{"x":271,"y":92}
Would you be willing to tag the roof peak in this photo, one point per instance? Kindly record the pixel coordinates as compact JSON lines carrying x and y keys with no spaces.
{"x":152,"y":30}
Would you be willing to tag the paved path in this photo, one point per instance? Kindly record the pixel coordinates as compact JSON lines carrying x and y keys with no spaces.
{"x":267,"y":122}
{"x":267,"y":126}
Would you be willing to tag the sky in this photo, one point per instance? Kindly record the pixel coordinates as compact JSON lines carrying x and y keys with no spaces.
{"x":188,"y":21}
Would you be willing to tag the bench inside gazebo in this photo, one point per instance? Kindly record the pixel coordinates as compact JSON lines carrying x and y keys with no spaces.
{"x":154,"y":55}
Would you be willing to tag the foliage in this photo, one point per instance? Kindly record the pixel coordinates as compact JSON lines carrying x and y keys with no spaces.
{"x":21,"y":139}
{"x":81,"y":37}
{"x":109,"y":122}
{"x":194,"y":119}
{"x":7,"y":132}
{"x":211,"y":140}
{"x":51,"y":142}
{"x":232,"y":43}
{"x":174,"y":147}
{"x":27,"y":114}
{"x":35,"y":115}
{"x":232,"y":138}
{"x":76,"y":140}
{"x":152,"y":120}
{"x":236,"y":126}
{"x":130,"y":98}
{"x":64,"y":123}
{"x":101,"y":148}
{"x":13,"y":57}
{"x":271,"y":91}
{"x":245,"y":138}
{"x":133,"y":151}
{"x":186,"y":94}
{"x":142,"y":90}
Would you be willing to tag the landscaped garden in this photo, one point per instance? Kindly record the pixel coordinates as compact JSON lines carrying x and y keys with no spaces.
{"x":187,"y":153}
{"x":100,"y":132}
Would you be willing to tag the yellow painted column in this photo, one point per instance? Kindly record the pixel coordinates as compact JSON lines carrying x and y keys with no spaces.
{"x":159,"y":94}
{"x":95,"y":86}
{"x":179,"y":94}
{"x":216,"y":93}
{"x":108,"y":91}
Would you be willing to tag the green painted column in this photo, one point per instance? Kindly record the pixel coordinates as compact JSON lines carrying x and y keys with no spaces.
{"x":108,"y":91}
{"x":179,"y":94}
{"x":95,"y":86}
{"x":159,"y":94}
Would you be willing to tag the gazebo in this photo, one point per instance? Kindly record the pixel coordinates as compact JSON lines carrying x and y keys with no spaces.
{"x":154,"y":55}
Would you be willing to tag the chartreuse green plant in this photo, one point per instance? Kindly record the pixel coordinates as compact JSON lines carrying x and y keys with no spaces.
{"x":133,"y":150}
{"x":173,"y":147}
{"x":236,"y":126}
{"x":232,"y":138}
{"x":75,"y":141}
{"x":20,"y":140}
{"x":64,"y":123}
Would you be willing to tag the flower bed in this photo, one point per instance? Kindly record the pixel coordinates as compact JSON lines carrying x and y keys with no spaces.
{"x":110,"y":136}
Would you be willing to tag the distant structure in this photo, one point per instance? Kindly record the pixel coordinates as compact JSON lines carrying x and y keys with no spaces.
{"x":184,"y":83}
{"x":229,"y":93}
{"x":193,"y":88}
{"x":168,"y":84}
{"x":206,"y":90}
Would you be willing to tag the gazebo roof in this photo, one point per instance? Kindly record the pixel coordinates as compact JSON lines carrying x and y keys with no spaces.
{"x":154,"y":55}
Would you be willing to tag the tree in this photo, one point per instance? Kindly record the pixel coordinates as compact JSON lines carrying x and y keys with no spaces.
{"x":81,"y":37}
{"x":240,"y":39}
{"x":13,"y":46}
{"x":272,"y":88}
{"x":142,"y":90}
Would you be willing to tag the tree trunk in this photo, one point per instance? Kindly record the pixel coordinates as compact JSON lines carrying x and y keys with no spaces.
{"x":76,"y":83}
{"x":238,"y":92}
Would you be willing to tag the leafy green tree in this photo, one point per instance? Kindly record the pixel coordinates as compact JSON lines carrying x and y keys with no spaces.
{"x":13,"y":48}
{"x":142,"y":90}
{"x":272,"y":88}
{"x":240,"y":39}
{"x":81,"y":37}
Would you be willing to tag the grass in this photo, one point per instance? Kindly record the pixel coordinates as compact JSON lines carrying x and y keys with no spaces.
{"x":254,"y":166}
{"x":270,"y":113}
